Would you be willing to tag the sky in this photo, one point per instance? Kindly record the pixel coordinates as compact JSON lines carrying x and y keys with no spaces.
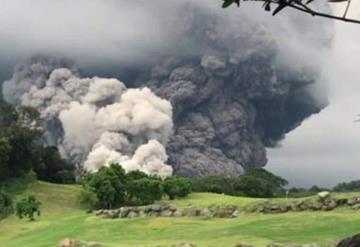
{"x":325,"y":149}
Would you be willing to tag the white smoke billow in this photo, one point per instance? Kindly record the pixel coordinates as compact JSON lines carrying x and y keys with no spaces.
{"x":102,"y":121}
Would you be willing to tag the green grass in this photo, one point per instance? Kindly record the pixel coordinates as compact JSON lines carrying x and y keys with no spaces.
{"x":62,"y":218}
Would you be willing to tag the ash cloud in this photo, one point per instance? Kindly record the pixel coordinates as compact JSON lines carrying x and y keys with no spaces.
{"x":95,"y":121}
{"x":238,"y":79}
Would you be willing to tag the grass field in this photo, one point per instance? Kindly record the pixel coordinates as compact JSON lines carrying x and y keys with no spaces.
{"x":63,"y":218}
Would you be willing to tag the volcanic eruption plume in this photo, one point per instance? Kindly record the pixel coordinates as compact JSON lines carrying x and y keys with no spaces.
{"x":95,"y":121}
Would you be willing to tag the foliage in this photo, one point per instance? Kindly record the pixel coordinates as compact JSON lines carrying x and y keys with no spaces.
{"x":254,"y":183}
{"x":260,"y":183}
{"x":144,"y":190}
{"x":177,"y":187}
{"x":28,"y":207}
{"x":304,"y":6}
{"x":88,"y":199}
{"x":6,"y":206}
{"x":348,"y":186}
{"x":109,"y":184}
{"x":219,"y":184}
{"x":53,"y":168}
{"x":21,"y":150}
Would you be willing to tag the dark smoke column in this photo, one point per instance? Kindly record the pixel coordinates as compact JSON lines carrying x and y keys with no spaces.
{"x":234,"y":93}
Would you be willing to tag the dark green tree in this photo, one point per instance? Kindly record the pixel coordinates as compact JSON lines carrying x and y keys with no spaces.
{"x":109,"y":185}
{"x":6,"y":205}
{"x":177,"y":187}
{"x":88,"y":199}
{"x":28,"y":207}
{"x":144,"y":190}
{"x":260,"y":183}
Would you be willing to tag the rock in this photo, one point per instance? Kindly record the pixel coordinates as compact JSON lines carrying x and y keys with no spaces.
{"x":356,"y":207}
{"x":178,"y":213}
{"x":206,"y":213}
{"x":191,"y":212}
{"x":184,"y":245}
{"x":351,"y":201}
{"x":67,"y":243}
{"x":235,"y":214}
{"x":124,"y":211}
{"x":75,"y":243}
{"x":99,"y":212}
{"x":132,"y":214}
{"x":324,"y":195}
{"x":350,"y":242}
{"x":167,"y":213}
{"x":156,"y":208}
{"x":243,"y":245}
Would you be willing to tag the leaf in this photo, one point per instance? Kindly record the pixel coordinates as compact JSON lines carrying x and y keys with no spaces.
{"x":282,"y":5}
{"x":227,"y":3}
{"x":337,"y":1}
{"x":267,"y":6}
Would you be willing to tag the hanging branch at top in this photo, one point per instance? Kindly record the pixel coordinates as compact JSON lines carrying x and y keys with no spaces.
{"x":300,"y":5}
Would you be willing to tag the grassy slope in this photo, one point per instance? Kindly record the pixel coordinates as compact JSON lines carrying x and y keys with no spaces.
{"x":62,"y":218}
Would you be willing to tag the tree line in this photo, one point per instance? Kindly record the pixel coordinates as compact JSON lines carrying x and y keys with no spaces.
{"x":111,"y":187}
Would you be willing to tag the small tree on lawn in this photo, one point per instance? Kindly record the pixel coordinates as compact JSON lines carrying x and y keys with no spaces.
{"x":177,"y":187}
{"x":28,"y":207}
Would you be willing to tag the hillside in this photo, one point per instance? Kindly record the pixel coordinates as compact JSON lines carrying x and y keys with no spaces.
{"x":63,"y":218}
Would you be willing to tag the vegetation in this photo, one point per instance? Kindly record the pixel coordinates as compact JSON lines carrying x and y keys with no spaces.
{"x":6,"y":205}
{"x":254,"y":183}
{"x":28,"y":207}
{"x":21,"y":151}
{"x":299,"y":5}
{"x":348,"y":186}
{"x":110,"y":187}
{"x":177,"y":187}
{"x":62,"y":217}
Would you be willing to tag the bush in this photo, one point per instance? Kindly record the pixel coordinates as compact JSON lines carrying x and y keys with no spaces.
{"x":260,"y":183}
{"x":177,"y":187}
{"x":108,"y":183}
{"x":28,"y":207}
{"x":6,"y":206}
{"x":349,"y":186}
{"x":219,"y":184}
{"x":254,"y":183}
{"x":88,"y":199}
{"x":144,"y":190}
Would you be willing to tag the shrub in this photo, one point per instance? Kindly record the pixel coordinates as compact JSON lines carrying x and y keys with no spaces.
{"x":88,"y":199}
{"x":28,"y":207}
{"x":108,"y":183}
{"x":6,"y":206}
{"x":145,"y":190}
{"x":260,"y":183}
{"x":177,"y":187}
{"x":219,"y":184}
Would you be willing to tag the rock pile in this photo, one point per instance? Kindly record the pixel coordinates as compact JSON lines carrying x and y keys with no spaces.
{"x":157,"y":210}
{"x":76,"y":243}
{"x":303,"y":205}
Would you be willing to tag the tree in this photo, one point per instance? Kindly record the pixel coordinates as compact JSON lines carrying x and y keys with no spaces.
{"x":144,"y":190}
{"x":88,"y":199}
{"x":177,"y":187}
{"x":220,"y":184}
{"x":53,"y":168}
{"x":109,"y":184}
{"x":299,"y":5}
{"x":28,"y":207}
{"x":260,"y":183}
{"x":5,"y":204}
